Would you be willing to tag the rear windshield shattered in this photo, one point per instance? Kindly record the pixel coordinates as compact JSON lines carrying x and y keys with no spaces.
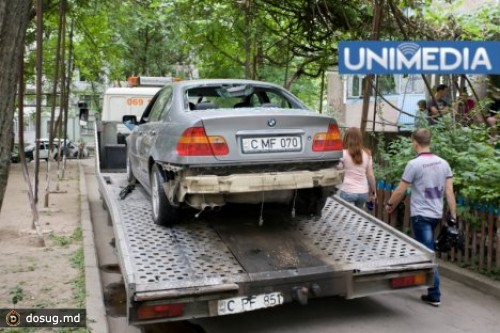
{"x":237,"y":96}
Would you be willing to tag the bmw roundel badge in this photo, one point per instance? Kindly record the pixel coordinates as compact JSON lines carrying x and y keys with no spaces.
{"x":271,"y":122}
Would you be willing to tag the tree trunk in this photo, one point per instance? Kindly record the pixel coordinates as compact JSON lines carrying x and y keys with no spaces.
{"x":377,"y":19}
{"x":14,"y":17}
{"x":248,"y":39}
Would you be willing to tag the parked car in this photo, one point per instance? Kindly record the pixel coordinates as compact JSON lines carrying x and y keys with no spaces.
{"x":205,"y":143}
{"x":69,"y":149}
{"x":30,"y":151}
{"x":75,"y":150}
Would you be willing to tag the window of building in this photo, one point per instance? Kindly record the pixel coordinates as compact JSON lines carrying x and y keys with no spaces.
{"x":412,"y":84}
{"x":53,"y":100}
{"x":386,"y":85}
{"x":86,"y":99}
{"x":87,"y":130}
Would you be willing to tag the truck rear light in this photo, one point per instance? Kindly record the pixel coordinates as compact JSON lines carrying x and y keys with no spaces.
{"x":145,"y":312}
{"x":328,"y":141}
{"x":408,"y":281}
{"x":195,"y":142}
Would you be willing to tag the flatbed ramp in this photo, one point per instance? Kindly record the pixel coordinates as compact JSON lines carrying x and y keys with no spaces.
{"x":226,"y":254}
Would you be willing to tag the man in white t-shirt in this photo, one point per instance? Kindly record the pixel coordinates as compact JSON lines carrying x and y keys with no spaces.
{"x":431,"y":179}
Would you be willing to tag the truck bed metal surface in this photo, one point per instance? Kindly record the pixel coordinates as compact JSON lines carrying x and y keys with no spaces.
{"x":217,"y":251}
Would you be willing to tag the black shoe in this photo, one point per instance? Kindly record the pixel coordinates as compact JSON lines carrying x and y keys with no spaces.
{"x":428,"y":300}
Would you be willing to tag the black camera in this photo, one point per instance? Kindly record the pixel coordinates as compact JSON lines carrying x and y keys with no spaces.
{"x":449,"y":237}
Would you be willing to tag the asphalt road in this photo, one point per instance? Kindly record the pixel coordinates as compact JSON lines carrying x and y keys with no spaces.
{"x":463,"y":309}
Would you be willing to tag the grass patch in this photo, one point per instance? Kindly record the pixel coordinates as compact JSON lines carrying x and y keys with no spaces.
{"x":77,"y":236}
{"x":78,"y":262}
{"x":493,"y":274}
{"x":17,"y":294}
{"x":43,"y":305}
{"x":21,"y":269}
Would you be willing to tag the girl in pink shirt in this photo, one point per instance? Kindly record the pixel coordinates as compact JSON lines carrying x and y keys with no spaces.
{"x":359,"y":182}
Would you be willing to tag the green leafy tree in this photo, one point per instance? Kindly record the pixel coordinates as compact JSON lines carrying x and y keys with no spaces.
{"x":473,"y":158}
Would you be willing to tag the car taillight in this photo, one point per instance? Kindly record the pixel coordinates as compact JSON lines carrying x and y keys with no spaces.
{"x":328,"y":141}
{"x":195,"y":142}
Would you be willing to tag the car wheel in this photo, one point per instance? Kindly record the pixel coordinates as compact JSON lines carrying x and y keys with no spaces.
{"x":164,"y":213}
{"x":130,"y":174}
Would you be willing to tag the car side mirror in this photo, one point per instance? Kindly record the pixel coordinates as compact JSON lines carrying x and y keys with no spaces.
{"x":130,"y":121}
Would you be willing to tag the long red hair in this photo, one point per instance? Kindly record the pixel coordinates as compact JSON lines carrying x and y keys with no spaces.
{"x":353,"y":142}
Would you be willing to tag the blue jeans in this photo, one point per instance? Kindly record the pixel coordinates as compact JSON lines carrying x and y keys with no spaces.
{"x":358,"y":199}
{"x":423,"y":230}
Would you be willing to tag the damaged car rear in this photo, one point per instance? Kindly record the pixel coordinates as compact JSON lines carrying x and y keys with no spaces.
{"x":205,"y":143}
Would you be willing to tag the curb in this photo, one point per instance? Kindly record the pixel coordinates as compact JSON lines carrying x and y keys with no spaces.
{"x":470,"y":279}
{"x":96,"y":312}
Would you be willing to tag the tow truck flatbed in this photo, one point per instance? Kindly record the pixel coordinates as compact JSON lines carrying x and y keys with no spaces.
{"x":199,"y":266}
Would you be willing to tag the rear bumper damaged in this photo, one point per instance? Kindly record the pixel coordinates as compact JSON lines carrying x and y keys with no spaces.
{"x":258,"y":182}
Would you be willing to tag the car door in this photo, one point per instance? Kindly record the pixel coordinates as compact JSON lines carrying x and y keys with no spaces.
{"x":134,"y":141}
{"x":147,"y":132}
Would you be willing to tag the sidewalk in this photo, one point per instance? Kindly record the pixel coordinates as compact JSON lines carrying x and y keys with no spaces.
{"x":42,"y":272}
{"x":36,"y":275}
{"x":469,"y":278}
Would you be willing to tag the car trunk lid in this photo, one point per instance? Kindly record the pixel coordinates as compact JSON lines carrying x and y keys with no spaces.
{"x":268,"y":134}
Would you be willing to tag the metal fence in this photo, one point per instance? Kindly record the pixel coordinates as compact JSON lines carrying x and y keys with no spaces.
{"x":481,"y":232}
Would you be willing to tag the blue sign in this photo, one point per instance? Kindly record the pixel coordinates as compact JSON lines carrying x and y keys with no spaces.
{"x":423,"y":57}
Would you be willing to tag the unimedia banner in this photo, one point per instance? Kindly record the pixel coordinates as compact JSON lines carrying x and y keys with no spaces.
{"x":421,"y":57}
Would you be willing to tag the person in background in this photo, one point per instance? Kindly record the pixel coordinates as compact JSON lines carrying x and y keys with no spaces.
{"x":358,"y":186}
{"x":438,"y":106}
{"x":422,"y":118}
{"x":431,"y":179}
{"x":463,"y":107}
{"x":493,"y":114}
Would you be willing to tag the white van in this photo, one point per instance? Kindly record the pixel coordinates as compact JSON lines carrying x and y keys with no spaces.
{"x":131,"y":100}
{"x":119,"y":102}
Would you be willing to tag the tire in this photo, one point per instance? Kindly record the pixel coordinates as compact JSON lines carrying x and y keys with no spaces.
{"x":164,"y":213}
{"x":130,"y":174}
